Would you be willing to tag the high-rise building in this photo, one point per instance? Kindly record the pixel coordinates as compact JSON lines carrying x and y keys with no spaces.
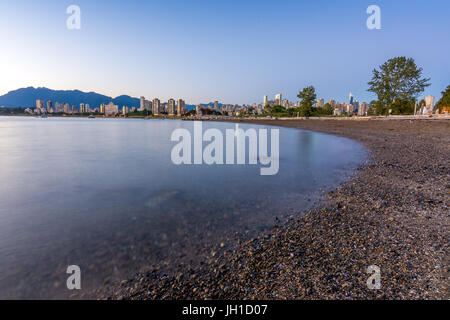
{"x":216,"y":105}
{"x":363,"y":109}
{"x":147,"y":105}
{"x":181,"y":106}
{"x":198,"y":110}
{"x":350,"y":98}
{"x":111,"y":109}
{"x":49,"y":106}
{"x":82,"y":108}
{"x":66,"y":108}
{"x":429,"y":101}
{"x":40,"y":104}
{"x":102,"y":108}
{"x":171,"y":107}
{"x":142,"y":103}
{"x":156,"y":107}
{"x":265,"y":101}
{"x":125,"y":110}
{"x":278,"y":99}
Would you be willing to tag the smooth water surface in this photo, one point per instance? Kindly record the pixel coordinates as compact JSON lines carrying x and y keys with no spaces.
{"x":104,"y":194}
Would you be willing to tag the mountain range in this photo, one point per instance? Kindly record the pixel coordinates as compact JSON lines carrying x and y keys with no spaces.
{"x":26,"y":98}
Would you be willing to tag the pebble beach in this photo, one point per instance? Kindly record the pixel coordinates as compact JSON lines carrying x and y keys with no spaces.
{"x":392,"y":213}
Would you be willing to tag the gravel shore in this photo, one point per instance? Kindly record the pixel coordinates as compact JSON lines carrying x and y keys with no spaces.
{"x":393,"y":213}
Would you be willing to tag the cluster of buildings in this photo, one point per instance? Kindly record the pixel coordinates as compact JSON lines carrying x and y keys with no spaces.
{"x":178,"y":108}
{"x":171,"y":108}
{"x":48,"y":107}
{"x":109,"y":109}
{"x":352,"y":107}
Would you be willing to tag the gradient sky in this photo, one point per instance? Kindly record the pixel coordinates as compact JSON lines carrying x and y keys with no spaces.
{"x":231,"y":51}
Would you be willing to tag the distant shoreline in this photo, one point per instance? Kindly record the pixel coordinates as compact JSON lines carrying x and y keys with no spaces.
{"x":243,"y":119}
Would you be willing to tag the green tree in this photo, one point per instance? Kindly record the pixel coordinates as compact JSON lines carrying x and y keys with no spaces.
{"x":308,"y":97}
{"x":398,"y":78}
{"x":277,"y":109}
{"x":445,"y":100}
{"x":403,"y":106}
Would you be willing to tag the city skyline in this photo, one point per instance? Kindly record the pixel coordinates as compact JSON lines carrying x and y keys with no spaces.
{"x":218,"y":51}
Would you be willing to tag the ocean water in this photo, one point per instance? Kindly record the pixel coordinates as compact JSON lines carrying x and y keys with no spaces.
{"x":104,"y":194}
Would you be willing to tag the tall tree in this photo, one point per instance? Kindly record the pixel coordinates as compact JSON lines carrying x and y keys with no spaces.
{"x":397,"y":78}
{"x":445,"y":100}
{"x":308,"y":97}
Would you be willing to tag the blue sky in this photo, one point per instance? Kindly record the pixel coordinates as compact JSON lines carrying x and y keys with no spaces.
{"x":231,"y":51}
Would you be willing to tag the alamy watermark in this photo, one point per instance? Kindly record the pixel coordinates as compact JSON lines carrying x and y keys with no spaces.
{"x":374,"y":281}
{"x":74,"y":280}
{"x":233,"y":149}
{"x":374,"y":20}
{"x":73,"y":22}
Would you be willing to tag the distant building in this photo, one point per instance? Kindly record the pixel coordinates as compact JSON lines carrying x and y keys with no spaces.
{"x":82,"y":108}
{"x":320,"y":103}
{"x":156,"y":107}
{"x":171,"y":107}
{"x":216,"y":105}
{"x":363,"y":109}
{"x":125,"y":110}
{"x":148,"y":105}
{"x":265,"y":100}
{"x":429,"y":101}
{"x":142,"y":103}
{"x":350,"y":98}
{"x":181,"y":107}
{"x":49,"y":106}
{"x":278,"y":99}
{"x":66,"y":108}
{"x":111,"y":109}
{"x":40,"y":104}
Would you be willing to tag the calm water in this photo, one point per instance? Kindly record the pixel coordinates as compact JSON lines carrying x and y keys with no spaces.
{"x":103,"y":194}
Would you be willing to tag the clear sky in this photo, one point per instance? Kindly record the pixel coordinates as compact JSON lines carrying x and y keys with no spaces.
{"x":231,"y":51}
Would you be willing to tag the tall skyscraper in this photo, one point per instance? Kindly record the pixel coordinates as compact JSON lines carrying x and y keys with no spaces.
{"x":351,"y":98}
{"x":49,"y":106}
{"x":265,"y":101}
{"x":216,"y":105}
{"x":429,"y":101}
{"x":40,"y":104}
{"x":142,"y":103}
{"x":156,"y":107}
{"x":278,"y":99}
{"x":147,"y":105}
{"x":171,"y":107}
{"x":82,"y":108}
{"x":181,"y":106}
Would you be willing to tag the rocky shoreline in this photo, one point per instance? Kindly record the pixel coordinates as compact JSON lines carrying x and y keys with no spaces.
{"x":394,"y":213}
